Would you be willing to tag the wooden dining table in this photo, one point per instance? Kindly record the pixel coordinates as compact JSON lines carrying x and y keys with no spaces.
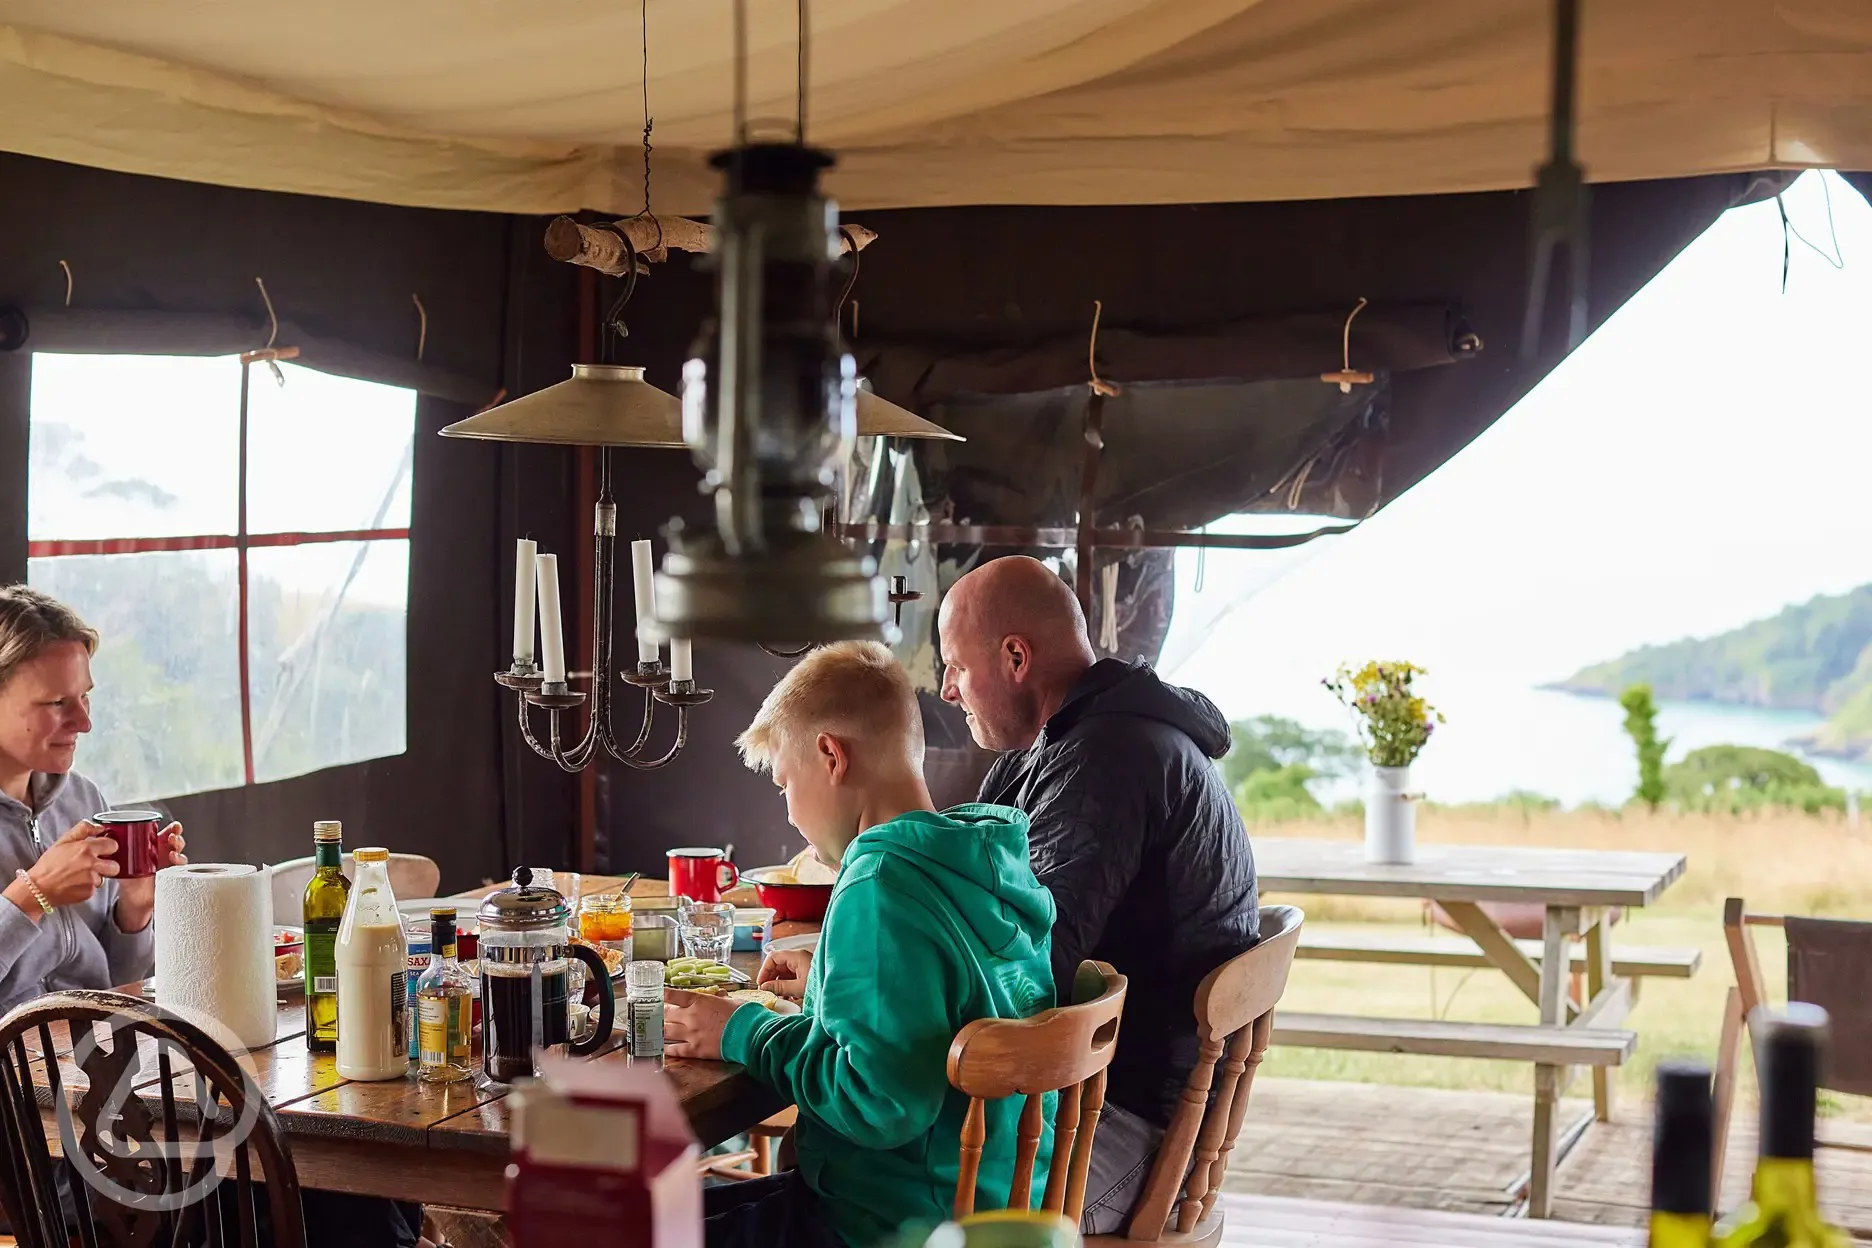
{"x":435,"y":1143}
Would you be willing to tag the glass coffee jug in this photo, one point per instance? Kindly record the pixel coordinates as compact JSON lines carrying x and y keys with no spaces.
{"x":527,"y":979}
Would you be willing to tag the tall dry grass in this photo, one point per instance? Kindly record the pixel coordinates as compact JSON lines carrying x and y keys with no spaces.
{"x":1788,"y":863}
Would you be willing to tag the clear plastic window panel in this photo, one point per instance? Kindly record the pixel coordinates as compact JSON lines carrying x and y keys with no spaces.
{"x":165,"y":712}
{"x":327,"y":454}
{"x":133,"y":446}
{"x":327,"y":654}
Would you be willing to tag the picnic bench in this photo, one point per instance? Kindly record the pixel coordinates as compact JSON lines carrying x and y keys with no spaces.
{"x":1576,"y":888}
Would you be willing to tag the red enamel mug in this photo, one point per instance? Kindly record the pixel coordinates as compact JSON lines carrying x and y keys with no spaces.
{"x":701,"y":874}
{"x":141,"y":850}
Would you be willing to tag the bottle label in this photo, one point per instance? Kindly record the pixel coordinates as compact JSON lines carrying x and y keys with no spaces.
{"x":442,"y":1023}
{"x":321,"y":962}
{"x":399,"y":1009}
{"x":646,"y":1028}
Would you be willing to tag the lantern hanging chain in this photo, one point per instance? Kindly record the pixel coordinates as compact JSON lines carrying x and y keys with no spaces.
{"x":804,"y":38}
{"x":740,"y":72}
{"x":649,"y":124}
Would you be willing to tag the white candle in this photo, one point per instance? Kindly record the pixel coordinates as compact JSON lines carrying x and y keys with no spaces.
{"x":524,"y":553}
{"x":552,"y":637}
{"x":681,"y":664}
{"x":643,"y":583}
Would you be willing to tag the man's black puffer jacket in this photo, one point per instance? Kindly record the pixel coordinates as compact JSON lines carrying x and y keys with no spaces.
{"x":1134,"y":833}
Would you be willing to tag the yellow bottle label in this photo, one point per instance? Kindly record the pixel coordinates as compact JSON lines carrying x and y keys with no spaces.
{"x":442,"y":1030}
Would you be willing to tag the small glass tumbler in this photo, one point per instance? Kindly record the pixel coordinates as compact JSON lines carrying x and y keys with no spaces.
{"x":707,"y":929}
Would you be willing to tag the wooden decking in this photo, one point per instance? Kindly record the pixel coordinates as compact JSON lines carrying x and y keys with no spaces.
{"x":1426,"y":1148}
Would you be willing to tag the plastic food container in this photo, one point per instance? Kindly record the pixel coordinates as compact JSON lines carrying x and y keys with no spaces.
{"x":753,"y":928}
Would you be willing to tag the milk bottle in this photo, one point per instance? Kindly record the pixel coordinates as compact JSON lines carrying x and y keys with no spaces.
{"x":373,"y":966}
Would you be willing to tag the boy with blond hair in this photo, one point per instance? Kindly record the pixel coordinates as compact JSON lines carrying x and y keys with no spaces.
{"x":936,"y":920}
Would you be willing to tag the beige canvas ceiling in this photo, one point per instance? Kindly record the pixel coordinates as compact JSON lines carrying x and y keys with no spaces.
{"x":534,"y":105}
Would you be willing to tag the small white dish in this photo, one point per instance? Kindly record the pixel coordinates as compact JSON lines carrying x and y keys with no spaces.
{"x":805,"y":940}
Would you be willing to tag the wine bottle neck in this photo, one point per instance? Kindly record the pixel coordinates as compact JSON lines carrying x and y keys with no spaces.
{"x":328,"y":855}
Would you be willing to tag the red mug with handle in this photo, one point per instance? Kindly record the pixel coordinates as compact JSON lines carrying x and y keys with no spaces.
{"x":701,"y":874}
{"x":141,"y":849}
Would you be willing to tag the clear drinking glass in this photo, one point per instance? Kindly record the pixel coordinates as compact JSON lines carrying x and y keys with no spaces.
{"x":707,"y":929}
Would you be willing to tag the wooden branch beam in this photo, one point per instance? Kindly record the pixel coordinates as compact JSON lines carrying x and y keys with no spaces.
{"x":598,"y":247}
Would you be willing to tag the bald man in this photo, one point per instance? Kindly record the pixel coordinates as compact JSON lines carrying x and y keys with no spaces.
{"x":1131,"y":829}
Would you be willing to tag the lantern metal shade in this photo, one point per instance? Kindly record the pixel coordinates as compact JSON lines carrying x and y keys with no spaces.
{"x":600,"y":405}
{"x":612,"y":405}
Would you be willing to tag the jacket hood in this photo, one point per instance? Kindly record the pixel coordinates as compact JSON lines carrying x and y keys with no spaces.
{"x":975,"y":855}
{"x":1111,"y":687}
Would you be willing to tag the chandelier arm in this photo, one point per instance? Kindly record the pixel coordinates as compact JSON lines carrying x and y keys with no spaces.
{"x":643,"y":733}
{"x":676,"y":747}
{"x":553,"y":753}
{"x":580,"y":756}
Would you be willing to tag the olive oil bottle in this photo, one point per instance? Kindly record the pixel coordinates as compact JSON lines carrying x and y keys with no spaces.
{"x":1781,"y":1211}
{"x":325,"y":897}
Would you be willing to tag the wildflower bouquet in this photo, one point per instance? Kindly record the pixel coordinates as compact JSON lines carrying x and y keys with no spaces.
{"x":1394,"y":723}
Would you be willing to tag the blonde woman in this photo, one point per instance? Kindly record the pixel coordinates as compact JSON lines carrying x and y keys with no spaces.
{"x":65,"y":921}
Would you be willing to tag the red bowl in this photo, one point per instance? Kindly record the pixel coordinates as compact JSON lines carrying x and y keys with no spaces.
{"x":791,"y":903}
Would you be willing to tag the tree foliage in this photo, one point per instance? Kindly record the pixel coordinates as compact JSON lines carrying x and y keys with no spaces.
{"x":1641,"y":727}
{"x":1273,"y":760}
{"x":1746,"y":777}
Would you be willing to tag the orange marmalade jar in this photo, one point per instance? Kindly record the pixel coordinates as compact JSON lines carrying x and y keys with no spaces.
{"x":605,"y":918}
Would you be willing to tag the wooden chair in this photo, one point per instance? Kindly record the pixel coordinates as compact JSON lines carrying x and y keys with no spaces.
{"x":768,"y":1140}
{"x":1065,"y":1050}
{"x":412,"y":876}
{"x":1234,"y":1019}
{"x":1749,"y":995}
{"x":142,"y":1165}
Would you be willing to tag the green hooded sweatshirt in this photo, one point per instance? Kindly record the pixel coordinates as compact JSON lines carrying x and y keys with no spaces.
{"x":936,"y":921}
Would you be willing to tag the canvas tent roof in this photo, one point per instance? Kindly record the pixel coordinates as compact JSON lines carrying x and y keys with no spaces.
{"x":488,"y":104}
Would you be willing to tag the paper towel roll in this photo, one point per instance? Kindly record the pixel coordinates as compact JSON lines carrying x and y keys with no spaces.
{"x":214,"y":949}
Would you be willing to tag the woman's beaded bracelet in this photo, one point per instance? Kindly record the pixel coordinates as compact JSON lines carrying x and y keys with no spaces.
{"x":20,"y":874}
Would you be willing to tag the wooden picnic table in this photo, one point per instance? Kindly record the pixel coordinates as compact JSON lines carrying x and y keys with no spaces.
{"x":438,"y":1144}
{"x":1576,"y":888}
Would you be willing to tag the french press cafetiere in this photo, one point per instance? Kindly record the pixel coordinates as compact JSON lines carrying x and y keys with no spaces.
{"x":526,"y":979}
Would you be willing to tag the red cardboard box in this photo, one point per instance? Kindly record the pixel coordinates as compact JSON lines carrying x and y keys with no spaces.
{"x":602,"y":1148}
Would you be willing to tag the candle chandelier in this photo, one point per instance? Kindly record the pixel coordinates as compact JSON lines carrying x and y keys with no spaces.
{"x":771,"y":403}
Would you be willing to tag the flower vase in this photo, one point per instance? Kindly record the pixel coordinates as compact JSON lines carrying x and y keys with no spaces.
{"x":1390,"y":817}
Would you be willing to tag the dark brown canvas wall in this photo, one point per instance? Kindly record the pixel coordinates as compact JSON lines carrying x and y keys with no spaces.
{"x":498,"y":312}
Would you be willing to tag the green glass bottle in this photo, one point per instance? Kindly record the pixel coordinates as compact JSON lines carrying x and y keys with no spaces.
{"x":1782,"y":1209}
{"x":1682,"y":1139}
{"x":325,"y":897}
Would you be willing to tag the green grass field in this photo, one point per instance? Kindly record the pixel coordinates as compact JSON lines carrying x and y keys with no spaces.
{"x":1787,"y":863}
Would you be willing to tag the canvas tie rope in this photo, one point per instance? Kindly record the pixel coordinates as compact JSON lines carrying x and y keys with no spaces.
{"x":422,"y":332}
{"x":1105,"y":388}
{"x":272,"y":359}
{"x":68,"y":282}
{"x":1346,"y":378}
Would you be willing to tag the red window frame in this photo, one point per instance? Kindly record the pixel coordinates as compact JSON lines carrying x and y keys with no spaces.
{"x":240,"y":541}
